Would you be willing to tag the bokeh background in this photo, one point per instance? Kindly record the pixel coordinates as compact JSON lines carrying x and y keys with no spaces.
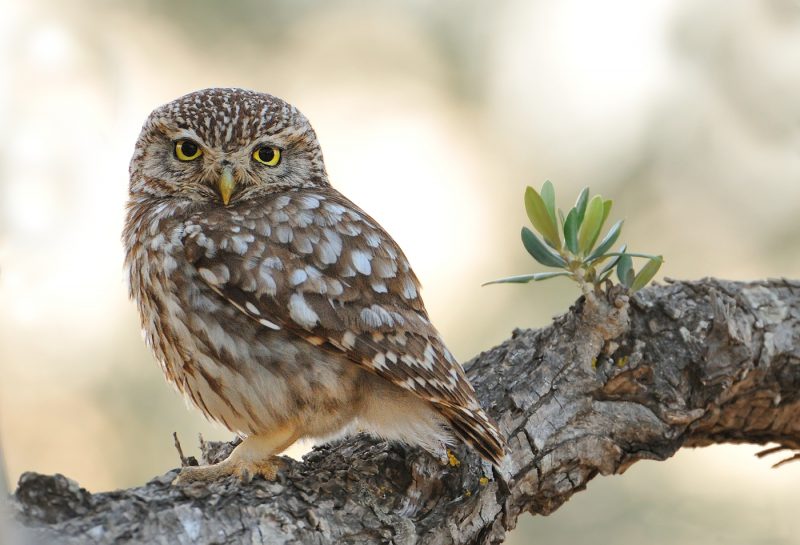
{"x":433,"y":116}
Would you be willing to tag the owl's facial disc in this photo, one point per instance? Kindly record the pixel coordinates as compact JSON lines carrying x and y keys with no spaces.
{"x":186,"y":145}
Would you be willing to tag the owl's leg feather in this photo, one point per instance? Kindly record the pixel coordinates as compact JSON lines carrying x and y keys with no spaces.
{"x":255,"y":455}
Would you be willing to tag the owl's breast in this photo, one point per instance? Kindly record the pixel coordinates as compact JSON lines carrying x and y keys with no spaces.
{"x":236,"y":371}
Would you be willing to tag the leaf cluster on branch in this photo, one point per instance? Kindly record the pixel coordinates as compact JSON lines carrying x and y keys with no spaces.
{"x":570,"y":243}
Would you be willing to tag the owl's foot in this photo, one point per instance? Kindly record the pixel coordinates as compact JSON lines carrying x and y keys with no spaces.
{"x":254,"y":456}
{"x":244,"y":470}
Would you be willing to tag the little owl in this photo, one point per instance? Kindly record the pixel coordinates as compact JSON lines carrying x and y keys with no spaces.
{"x":277,"y":306}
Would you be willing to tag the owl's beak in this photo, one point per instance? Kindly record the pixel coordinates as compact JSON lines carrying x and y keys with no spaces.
{"x":226,"y":184}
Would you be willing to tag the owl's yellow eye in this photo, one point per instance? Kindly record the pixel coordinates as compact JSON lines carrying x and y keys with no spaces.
{"x":186,"y":150}
{"x":267,"y":155}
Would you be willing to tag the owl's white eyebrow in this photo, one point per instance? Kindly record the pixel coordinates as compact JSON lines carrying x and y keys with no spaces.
{"x":268,"y":141}
{"x":187,"y":133}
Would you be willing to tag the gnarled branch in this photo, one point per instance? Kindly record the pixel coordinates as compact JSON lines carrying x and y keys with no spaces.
{"x":609,"y":383}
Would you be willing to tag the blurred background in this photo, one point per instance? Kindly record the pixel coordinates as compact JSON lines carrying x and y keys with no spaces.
{"x":433,"y":116}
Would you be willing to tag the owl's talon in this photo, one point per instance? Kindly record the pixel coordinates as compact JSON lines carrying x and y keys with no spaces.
{"x":244,"y":470}
{"x":245,"y":476}
{"x":268,"y":469}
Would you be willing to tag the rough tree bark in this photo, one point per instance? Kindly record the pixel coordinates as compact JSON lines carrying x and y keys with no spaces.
{"x":609,"y":383}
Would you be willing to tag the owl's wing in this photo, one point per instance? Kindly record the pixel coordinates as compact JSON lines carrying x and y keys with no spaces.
{"x":311,"y":262}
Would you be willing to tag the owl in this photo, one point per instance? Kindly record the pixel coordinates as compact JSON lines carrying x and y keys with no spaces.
{"x":278,"y":307}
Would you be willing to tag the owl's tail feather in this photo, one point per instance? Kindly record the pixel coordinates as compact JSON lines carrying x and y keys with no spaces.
{"x":476,"y":428}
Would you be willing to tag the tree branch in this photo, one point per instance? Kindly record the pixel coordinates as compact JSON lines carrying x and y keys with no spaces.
{"x":609,"y":383}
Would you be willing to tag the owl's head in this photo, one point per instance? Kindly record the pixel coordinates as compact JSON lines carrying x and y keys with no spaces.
{"x":224,"y":146}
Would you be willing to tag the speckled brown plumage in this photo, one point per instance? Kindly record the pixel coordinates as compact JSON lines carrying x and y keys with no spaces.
{"x":288,"y":312}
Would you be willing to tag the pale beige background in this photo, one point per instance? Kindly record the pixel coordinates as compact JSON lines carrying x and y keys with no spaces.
{"x":433,"y":116}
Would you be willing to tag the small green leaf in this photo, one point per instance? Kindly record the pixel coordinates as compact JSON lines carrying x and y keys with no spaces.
{"x":602,"y":276}
{"x":561,"y":216}
{"x":550,"y":274}
{"x":592,"y":222}
{"x":633,"y":254}
{"x":525,"y":278}
{"x":608,"y":240}
{"x":597,"y":261}
{"x":571,"y":231}
{"x":606,"y":209}
{"x":539,"y":251}
{"x":625,"y":270}
{"x":647,"y":273}
{"x":609,"y":268}
{"x":549,"y":198}
{"x":540,"y":218}
{"x":580,"y":204}
{"x":607,"y":204}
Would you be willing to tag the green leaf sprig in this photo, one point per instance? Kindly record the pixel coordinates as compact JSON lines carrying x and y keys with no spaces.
{"x":569,"y":242}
